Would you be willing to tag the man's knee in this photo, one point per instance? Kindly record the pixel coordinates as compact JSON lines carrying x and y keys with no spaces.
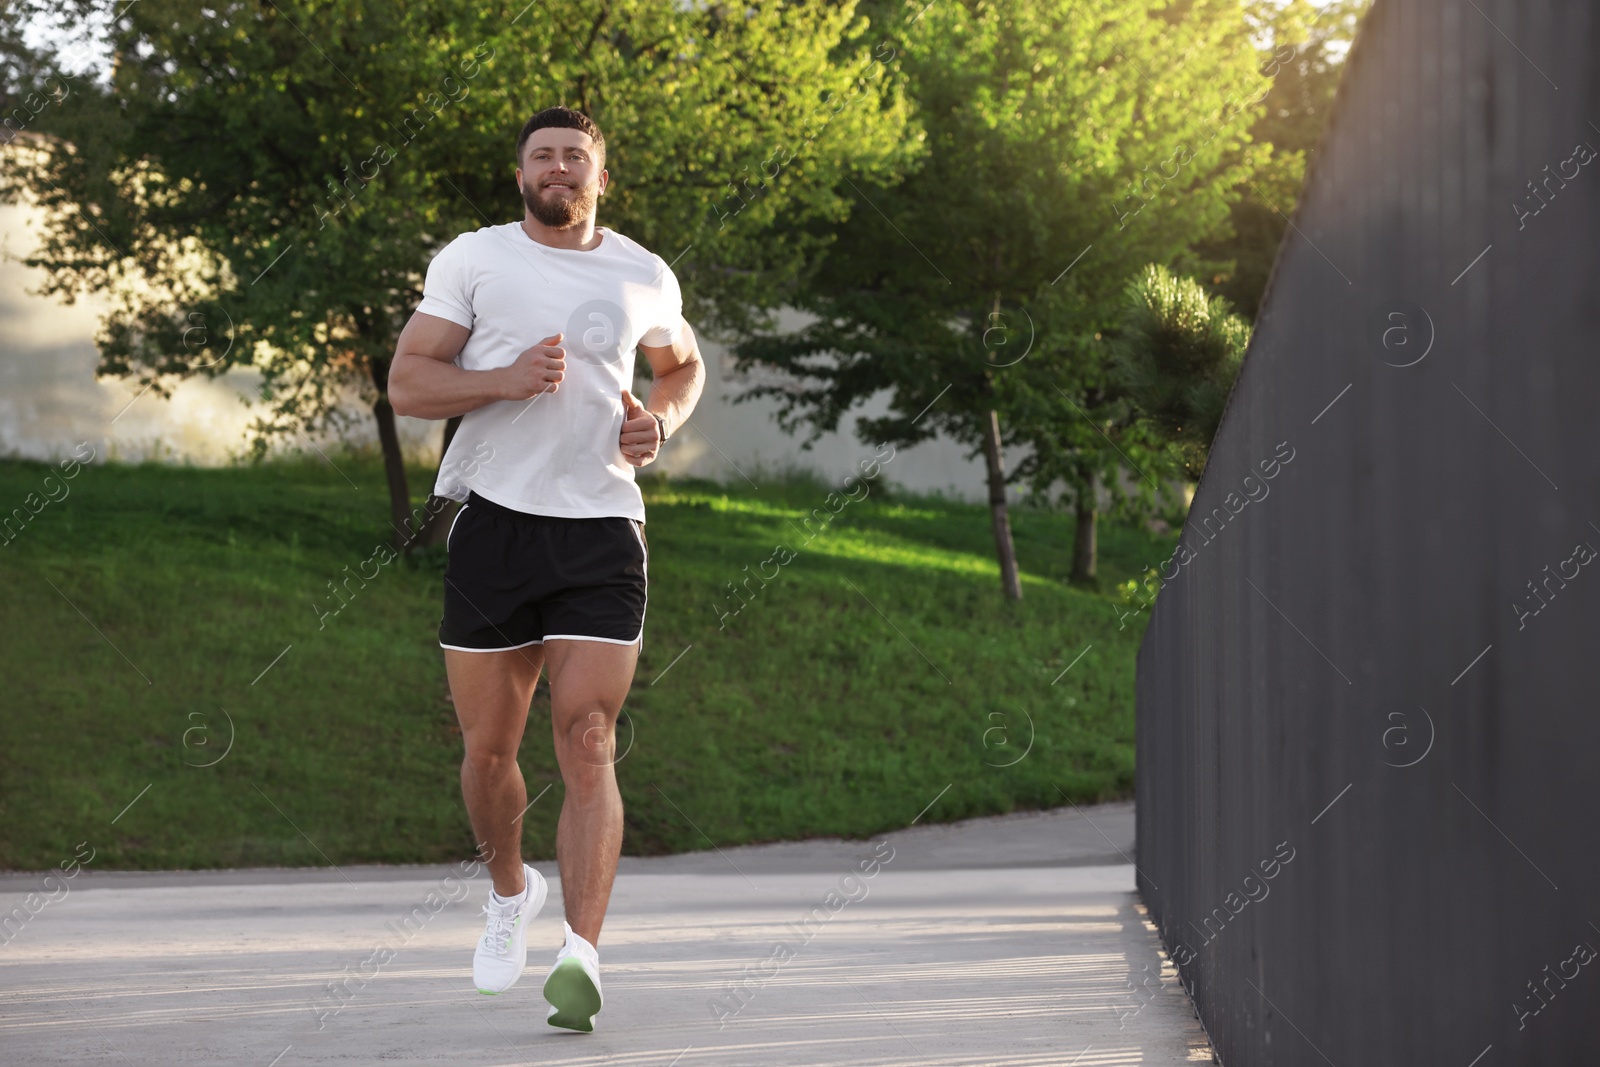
{"x":489,"y":761}
{"x":588,"y":732}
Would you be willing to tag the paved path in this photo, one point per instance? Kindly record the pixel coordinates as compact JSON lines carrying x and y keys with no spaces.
{"x":1014,"y":942}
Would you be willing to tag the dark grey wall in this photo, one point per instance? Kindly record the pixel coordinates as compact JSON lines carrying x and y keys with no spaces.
{"x":1349,"y":671}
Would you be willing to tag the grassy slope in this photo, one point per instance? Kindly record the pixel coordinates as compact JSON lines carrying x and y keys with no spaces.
{"x":814,"y":711}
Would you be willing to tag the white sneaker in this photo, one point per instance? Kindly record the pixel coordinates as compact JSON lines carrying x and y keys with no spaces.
{"x":573,"y":986}
{"x":503,"y":950}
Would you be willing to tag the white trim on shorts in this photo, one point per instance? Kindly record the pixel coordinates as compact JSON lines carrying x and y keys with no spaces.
{"x":607,"y":640}
{"x":644,"y":568}
{"x":452,"y":529}
{"x":508,"y":648}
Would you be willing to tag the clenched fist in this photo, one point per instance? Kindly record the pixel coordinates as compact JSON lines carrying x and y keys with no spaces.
{"x":641,"y":434}
{"x":538,"y":369}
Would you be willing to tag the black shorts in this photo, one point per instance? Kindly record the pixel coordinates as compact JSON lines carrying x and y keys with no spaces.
{"x":513,"y":579}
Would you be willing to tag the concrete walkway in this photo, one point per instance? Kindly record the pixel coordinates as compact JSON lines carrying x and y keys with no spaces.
{"x":1013,"y":942}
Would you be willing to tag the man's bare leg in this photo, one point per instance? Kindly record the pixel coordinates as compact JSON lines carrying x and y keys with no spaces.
{"x":492,"y":692}
{"x":588,"y":682}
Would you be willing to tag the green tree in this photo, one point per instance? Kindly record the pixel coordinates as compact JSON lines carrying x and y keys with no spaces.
{"x":1086,"y":435}
{"x":263,"y":185}
{"x":1067,"y":144}
{"x":1177,"y":353}
{"x":1304,"y":54}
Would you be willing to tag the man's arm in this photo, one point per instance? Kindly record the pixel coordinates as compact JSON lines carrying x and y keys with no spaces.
{"x":680,"y":375}
{"x":425,"y":382}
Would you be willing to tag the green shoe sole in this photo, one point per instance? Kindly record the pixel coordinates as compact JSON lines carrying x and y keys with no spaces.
{"x":573,"y":998}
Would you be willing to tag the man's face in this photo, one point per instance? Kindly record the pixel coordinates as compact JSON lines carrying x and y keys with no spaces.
{"x":561,"y":176}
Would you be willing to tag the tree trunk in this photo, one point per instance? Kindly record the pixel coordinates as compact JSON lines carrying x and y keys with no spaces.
{"x":1083,"y":545}
{"x":394,"y":467}
{"x":440,"y":511}
{"x":1006,"y":551}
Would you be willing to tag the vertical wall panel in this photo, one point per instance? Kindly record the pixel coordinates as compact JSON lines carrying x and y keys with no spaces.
{"x":1349,"y":670}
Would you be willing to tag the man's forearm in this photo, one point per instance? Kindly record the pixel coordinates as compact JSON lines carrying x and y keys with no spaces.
{"x":431,"y":389}
{"x":674,"y":394}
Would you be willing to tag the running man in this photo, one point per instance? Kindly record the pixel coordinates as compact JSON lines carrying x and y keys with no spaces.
{"x":529,"y":329}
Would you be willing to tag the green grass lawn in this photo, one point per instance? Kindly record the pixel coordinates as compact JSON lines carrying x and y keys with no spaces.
{"x":878,"y":667}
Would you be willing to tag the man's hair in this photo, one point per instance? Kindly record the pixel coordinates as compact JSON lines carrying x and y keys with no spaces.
{"x":563,"y":117}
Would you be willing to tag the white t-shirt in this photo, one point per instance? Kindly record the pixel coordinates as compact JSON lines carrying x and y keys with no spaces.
{"x":558,"y":453}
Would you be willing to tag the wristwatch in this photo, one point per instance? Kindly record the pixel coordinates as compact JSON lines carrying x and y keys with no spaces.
{"x":662,"y":423}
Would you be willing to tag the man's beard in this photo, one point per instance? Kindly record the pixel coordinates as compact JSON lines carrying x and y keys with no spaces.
{"x":556,"y":210}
